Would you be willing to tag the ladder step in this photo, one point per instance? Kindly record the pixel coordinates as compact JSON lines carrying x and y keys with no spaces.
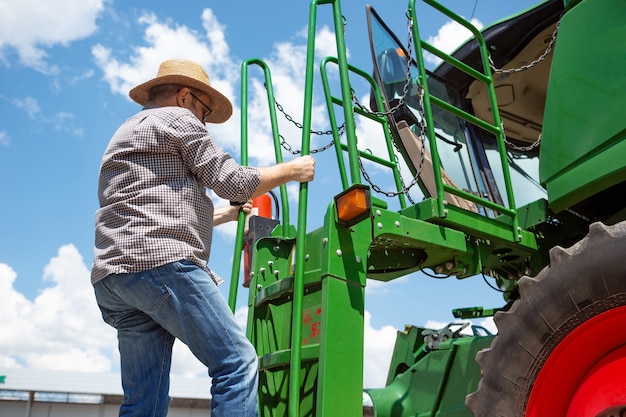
{"x":284,"y":286}
{"x":282,"y":358}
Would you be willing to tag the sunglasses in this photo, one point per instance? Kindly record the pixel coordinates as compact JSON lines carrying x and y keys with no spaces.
{"x":206,"y":114}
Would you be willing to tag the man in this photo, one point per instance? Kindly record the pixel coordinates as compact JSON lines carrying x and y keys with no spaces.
{"x":153,"y":238}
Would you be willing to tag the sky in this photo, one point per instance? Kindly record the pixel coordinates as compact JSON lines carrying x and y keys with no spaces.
{"x":65,"y":70}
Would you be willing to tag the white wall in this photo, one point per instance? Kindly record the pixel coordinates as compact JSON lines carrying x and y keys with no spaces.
{"x":10,"y":408}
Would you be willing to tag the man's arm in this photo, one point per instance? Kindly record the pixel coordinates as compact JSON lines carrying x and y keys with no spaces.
{"x":229,"y":213}
{"x":301,"y":169}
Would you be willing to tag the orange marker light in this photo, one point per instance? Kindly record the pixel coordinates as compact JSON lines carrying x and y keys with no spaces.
{"x":353,"y":205}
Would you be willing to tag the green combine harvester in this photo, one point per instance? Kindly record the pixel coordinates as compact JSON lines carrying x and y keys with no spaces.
{"x":545,"y":89}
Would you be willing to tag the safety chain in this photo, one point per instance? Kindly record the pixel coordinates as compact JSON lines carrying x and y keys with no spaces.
{"x":542,"y":57}
{"x":290,"y":149}
{"x":524,"y":148}
{"x":286,"y":146}
{"x":299,"y":125}
{"x":342,"y":128}
{"x":405,"y":189}
{"x":520,"y":148}
{"x":405,"y":90}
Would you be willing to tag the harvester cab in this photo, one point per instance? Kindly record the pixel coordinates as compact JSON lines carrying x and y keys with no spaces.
{"x":476,"y":117}
{"x":468,"y":152}
{"x":516,"y":144}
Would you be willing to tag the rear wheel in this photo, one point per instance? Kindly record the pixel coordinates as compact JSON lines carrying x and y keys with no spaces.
{"x":561,"y":348}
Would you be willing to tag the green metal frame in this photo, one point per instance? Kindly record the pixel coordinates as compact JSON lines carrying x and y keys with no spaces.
{"x":583,"y":146}
{"x":232,"y":298}
{"x":423,"y":383}
{"x":306,"y":298}
{"x":496,"y":128}
{"x":284,"y":301}
{"x":350,"y":147}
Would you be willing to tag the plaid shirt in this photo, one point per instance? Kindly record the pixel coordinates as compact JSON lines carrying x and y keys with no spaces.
{"x":154,"y":208}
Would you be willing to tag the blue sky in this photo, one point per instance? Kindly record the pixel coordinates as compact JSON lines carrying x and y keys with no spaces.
{"x":65,"y":71}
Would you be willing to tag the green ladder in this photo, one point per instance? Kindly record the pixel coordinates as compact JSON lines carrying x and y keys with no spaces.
{"x":306,"y":310}
{"x":506,"y":226}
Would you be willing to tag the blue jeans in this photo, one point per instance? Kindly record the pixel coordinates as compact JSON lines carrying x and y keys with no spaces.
{"x":177,"y":300}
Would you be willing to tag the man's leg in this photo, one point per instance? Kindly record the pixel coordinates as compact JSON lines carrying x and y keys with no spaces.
{"x":145,"y":347}
{"x":198,"y":315}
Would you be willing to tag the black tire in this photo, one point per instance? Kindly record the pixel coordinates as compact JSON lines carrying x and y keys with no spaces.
{"x":581,"y":283}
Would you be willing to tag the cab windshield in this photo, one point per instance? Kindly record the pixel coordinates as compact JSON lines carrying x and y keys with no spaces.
{"x":466,"y":153}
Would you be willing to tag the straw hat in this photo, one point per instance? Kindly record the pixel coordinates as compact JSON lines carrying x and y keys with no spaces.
{"x":189,"y":74}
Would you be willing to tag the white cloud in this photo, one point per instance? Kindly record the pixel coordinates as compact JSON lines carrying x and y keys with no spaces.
{"x":185,"y":364}
{"x":165,"y":40}
{"x":371,"y":135}
{"x":71,"y":359}
{"x":449,"y":37}
{"x":286,"y":62}
{"x":74,"y":80}
{"x":390,"y":287}
{"x":62,"y":328}
{"x":30,"y":105}
{"x":326,"y":44}
{"x":486,"y":322}
{"x":61,"y":121}
{"x":8,"y":362}
{"x":217,"y":41}
{"x":4,"y":138}
{"x":379,"y":344}
{"x":241,"y":317}
{"x":435,"y":325}
{"x":30,"y":25}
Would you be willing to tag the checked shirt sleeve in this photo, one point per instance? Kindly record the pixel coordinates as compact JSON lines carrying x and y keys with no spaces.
{"x":214,"y":168}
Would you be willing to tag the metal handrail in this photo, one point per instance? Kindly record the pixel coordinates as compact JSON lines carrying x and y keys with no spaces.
{"x":495,"y":128}
{"x":354,"y":156}
{"x":232,"y":297}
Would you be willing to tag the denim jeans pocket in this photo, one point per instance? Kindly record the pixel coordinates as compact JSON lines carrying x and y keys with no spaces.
{"x":145,"y":291}
{"x":148,"y":290}
{"x":106,"y":316}
{"x":103,"y":294}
